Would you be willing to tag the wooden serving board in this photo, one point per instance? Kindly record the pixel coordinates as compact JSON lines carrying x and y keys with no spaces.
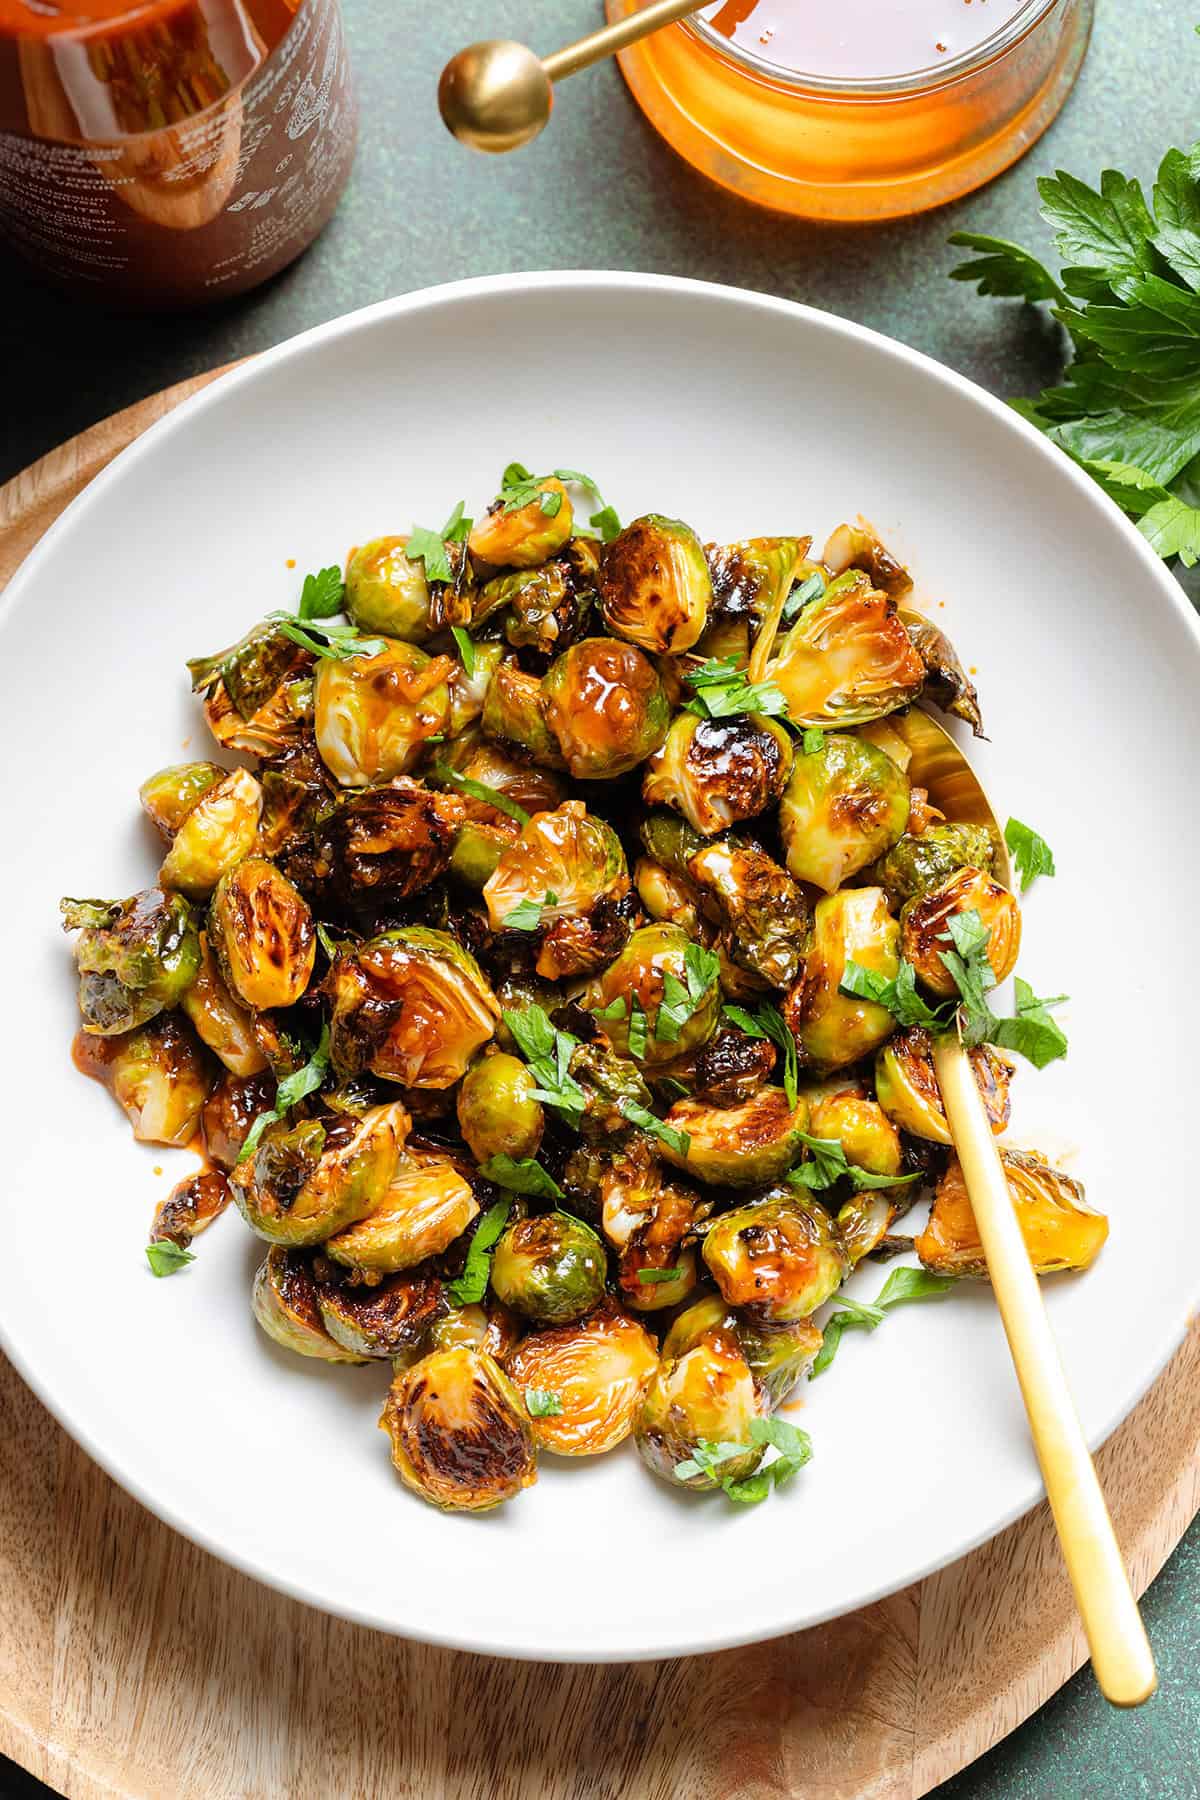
{"x":132,"y":1663}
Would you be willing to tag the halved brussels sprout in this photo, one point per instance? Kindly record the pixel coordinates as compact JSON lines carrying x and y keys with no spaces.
{"x":190,"y":1207}
{"x":605,"y":704}
{"x":497,"y":1114}
{"x":513,"y":714}
{"x":924,"y":927}
{"x":835,"y":1029}
{"x":303,"y":1181}
{"x":750,"y":578}
{"x":261,"y":930}
{"x":169,"y":795}
{"x":527,"y":535}
{"x":731,"y":1067}
{"x":230,"y":1111}
{"x":135,"y":957}
{"x":861,"y":1126}
{"x":220,"y":1021}
{"x":666,"y":895}
{"x":489,"y":1327}
{"x":411,"y":1006}
{"x":551,"y":1268}
{"x":563,"y":863}
{"x":919,"y":862}
{"x":845,"y":804}
{"x":864,"y":1220}
{"x":776,"y":1355}
{"x":654,"y":585}
{"x":158,"y":1075}
{"x":256,"y":695}
{"x":393,"y":1319}
{"x":946,"y":681}
{"x":373,"y":713}
{"x":611,"y":1085}
{"x":460,"y":1436}
{"x":759,"y":905}
{"x":647,"y":1220}
{"x":907,"y":1087}
{"x":297,"y":791}
{"x":847,"y":658}
{"x":426,"y":1205}
{"x":386,"y":844}
{"x":597,"y":1370}
{"x":547,"y":612}
{"x":216,"y":834}
{"x":532,"y":786}
{"x":578,"y":944}
{"x":651,"y":982}
{"x":478,"y":848}
{"x":707,"y":1395}
{"x":284,"y":1302}
{"x":1061,"y":1231}
{"x":779,"y":1258}
{"x":468,"y":693}
{"x":739,"y":1146}
{"x":719,"y":771}
{"x":385,"y":592}
{"x":858,"y":547}
{"x":670,"y":840}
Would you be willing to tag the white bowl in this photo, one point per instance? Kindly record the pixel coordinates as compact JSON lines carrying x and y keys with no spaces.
{"x":742,"y":414}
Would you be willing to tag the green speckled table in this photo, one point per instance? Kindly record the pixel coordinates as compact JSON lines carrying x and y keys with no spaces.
{"x":601,"y":190}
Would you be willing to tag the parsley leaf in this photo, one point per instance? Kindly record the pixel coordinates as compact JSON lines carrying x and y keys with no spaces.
{"x":1032,"y":1033}
{"x":527,"y":914}
{"x":676,"y":1140}
{"x":606,"y":523}
{"x":479,"y":790}
{"x":427,"y":547}
{"x":1031,"y":853}
{"x":678,"y":1002}
{"x":899,"y":995}
{"x":707,"y":1458}
{"x":657,"y":1277}
{"x":457,"y":528}
{"x":521,"y":1175}
{"x":322,"y":595}
{"x":811,"y":588}
{"x":723,"y":689}
{"x":1172,"y":528}
{"x":333,"y":642}
{"x":903,"y":1287}
{"x":766,"y":1021}
{"x":167,"y":1258}
{"x":1004,"y":269}
{"x":637,"y":1030}
{"x":292,"y":1088}
{"x":548,"y":1053}
{"x":813,"y":741}
{"x":471,"y":1285}
{"x":794,"y":1449}
{"x":466,"y":649}
{"x":829,"y":1164}
{"x":540,"y":1403}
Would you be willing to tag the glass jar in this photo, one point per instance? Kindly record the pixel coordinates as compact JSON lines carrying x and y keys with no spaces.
{"x":170,"y":152}
{"x":839,"y":148}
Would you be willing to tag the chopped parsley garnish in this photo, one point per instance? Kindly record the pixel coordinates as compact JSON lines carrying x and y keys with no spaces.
{"x":679,"y":1001}
{"x":829,"y":1164}
{"x":811,"y":588}
{"x":902,"y":1288}
{"x":1031,"y":853}
{"x":813,"y":741}
{"x":518,"y":487}
{"x":471,"y":1285}
{"x":637,"y":1030}
{"x":897,"y":994}
{"x":766,"y":1021}
{"x":457,"y":528}
{"x":479,"y":790}
{"x":322,"y":595}
{"x":659,"y":1277}
{"x":794,"y":1450}
{"x":334,"y":643}
{"x":972,"y":973}
{"x":678,"y":1141}
{"x":527,"y":914}
{"x":292,"y":1088}
{"x":466,"y":648}
{"x":540,"y":1403}
{"x":722,"y":689}
{"x":1033,"y":1034}
{"x":167,"y":1258}
{"x":521,"y":1175}
{"x":548,"y":1052}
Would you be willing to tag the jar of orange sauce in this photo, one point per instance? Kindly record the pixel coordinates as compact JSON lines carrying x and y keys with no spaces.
{"x":170,"y":152}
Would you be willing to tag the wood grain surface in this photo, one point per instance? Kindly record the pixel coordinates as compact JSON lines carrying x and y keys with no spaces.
{"x":134,"y":1664}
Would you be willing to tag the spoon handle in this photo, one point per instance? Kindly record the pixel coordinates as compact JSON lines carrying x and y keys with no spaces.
{"x":1120,"y":1651}
{"x":611,"y":38}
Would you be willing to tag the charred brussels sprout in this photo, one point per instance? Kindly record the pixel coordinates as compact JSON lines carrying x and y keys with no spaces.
{"x":551,"y":1268}
{"x":546,"y":613}
{"x":284,"y":1302}
{"x":230,"y":1111}
{"x":497,"y":1113}
{"x":606,"y":706}
{"x":917,"y":863}
{"x":385,"y":592}
{"x":220,"y":1021}
{"x":858,"y":547}
{"x":719,"y":771}
{"x":460,"y":1436}
{"x":597,"y":1371}
{"x":907,"y":1088}
{"x":705,"y":1396}
{"x":215,"y":835}
{"x":751,"y":578}
{"x":135,"y":957}
{"x":867,"y":1135}
{"x":847,"y":658}
{"x":666,"y":895}
{"x":374,"y":712}
{"x":739,"y":1146}
{"x":387,"y":844}
{"x":169,"y":795}
{"x":425,"y":1206}
{"x":158,"y":1075}
{"x":262,"y":932}
{"x":946,"y":681}
{"x":611,"y":1085}
{"x":489,"y":1327}
{"x":758,"y":903}
{"x":190,"y":1207}
{"x":731,"y":1067}
{"x":256,"y":694}
{"x":297,"y":791}
{"x":845,"y":804}
{"x":513,"y":714}
{"x":527,"y":535}
{"x":411,"y":1006}
{"x":393,"y":1319}
{"x":1061,"y":1231}
{"x":563,"y":863}
{"x":779,"y":1259}
{"x":924,"y":926}
{"x":303,"y":1181}
{"x":835,"y":1029}
{"x":661,"y":988}
{"x":655,"y":588}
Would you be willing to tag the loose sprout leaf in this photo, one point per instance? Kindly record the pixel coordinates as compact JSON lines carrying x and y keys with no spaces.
{"x":527,"y":914}
{"x":521,"y":1175}
{"x":471,"y":1285}
{"x":426,"y":546}
{"x":637,"y":1030}
{"x":903,"y":1287}
{"x":899,"y":996}
{"x":829,"y":1164}
{"x":303,"y":1081}
{"x":457,"y":528}
{"x":723,"y":689}
{"x":167,"y":1258}
{"x":1031,"y":853}
{"x":813,"y":741}
{"x":322,"y":595}
{"x":657,"y":1277}
{"x":332,"y":642}
{"x":479,"y":790}
{"x":466,"y":648}
{"x":679,"y":1141}
{"x":1033,"y":1034}
{"x":1004,"y":269}
{"x":540,"y":1403}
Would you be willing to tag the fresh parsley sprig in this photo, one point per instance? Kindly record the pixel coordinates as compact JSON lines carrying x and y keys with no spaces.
{"x":1031,"y":853}
{"x":766,"y":1021}
{"x":429,"y":547}
{"x":471,"y":1285}
{"x":794,"y":1449}
{"x":518,"y":488}
{"x":166,"y":1257}
{"x":322,"y":597}
{"x":521,"y":1175}
{"x":526,"y":915}
{"x":828,"y":1163}
{"x":291,"y":1089}
{"x":722,"y":689}
{"x":902,"y":1288}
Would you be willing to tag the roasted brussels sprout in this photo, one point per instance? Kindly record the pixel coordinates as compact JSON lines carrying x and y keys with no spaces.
{"x":611,"y":1085}
{"x":135,"y":957}
{"x":606,"y":706}
{"x":218,"y":832}
{"x":858,"y":547}
{"x":497,"y":1113}
{"x":845,"y":804}
{"x":654,"y":585}
{"x":751,"y":578}
{"x":284,"y":1301}
{"x":477,"y":850}
{"x":847,"y":658}
{"x":666,"y":895}
{"x":779,"y":1258}
{"x":256,"y":695}
{"x":374,"y":712}
{"x":660,"y":988}
{"x":776,"y":1355}
{"x":1061,"y":1231}
{"x":513,"y":714}
{"x":306,"y":1179}
{"x":546,"y":613}
{"x":562,"y":864}
{"x":739,"y":1146}
{"x":385,"y":592}
{"x":760,"y":906}
{"x":670,"y":841}
{"x":551,"y":1269}
{"x":731,"y":1067}
{"x":230,"y":1111}
{"x":425,"y":1206}
{"x":392,"y":1319}
{"x":468,"y":693}
{"x":594,"y":1374}
{"x":578,"y":944}
{"x":460,"y":1436}
{"x":719,"y":771}
{"x":190,"y":1207}
{"x":411,"y":1006}
{"x":917,"y":863}
{"x":907,"y":1088}
{"x":489,"y":1327}
{"x":706,"y":1396}
{"x":158,"y":1075}
{"x":865,"y":1219}
{"x":924,"y":926}
{"x":649,"y":1221}
{"x":220,"y":1021}
{"x":533,"y":787}
{"x":297,"y":791}
{"x":169,"y":795}
{"x":946,"y":681}
{"x":384,"y":845}
{"x":524,"y":536}
{"x":261,"y":930}
{"x":835,"y":1029}
{"x":867,"y":1135}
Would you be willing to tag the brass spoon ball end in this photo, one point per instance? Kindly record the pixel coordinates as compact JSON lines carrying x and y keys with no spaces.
{"x":495,"y":96}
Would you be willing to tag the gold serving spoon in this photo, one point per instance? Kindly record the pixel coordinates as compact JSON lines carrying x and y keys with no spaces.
{"x":1120,"y":1651}
{"x":497,"y":95}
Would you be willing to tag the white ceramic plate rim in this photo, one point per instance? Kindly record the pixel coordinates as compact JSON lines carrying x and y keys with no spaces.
{"x":56,"y":1395}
